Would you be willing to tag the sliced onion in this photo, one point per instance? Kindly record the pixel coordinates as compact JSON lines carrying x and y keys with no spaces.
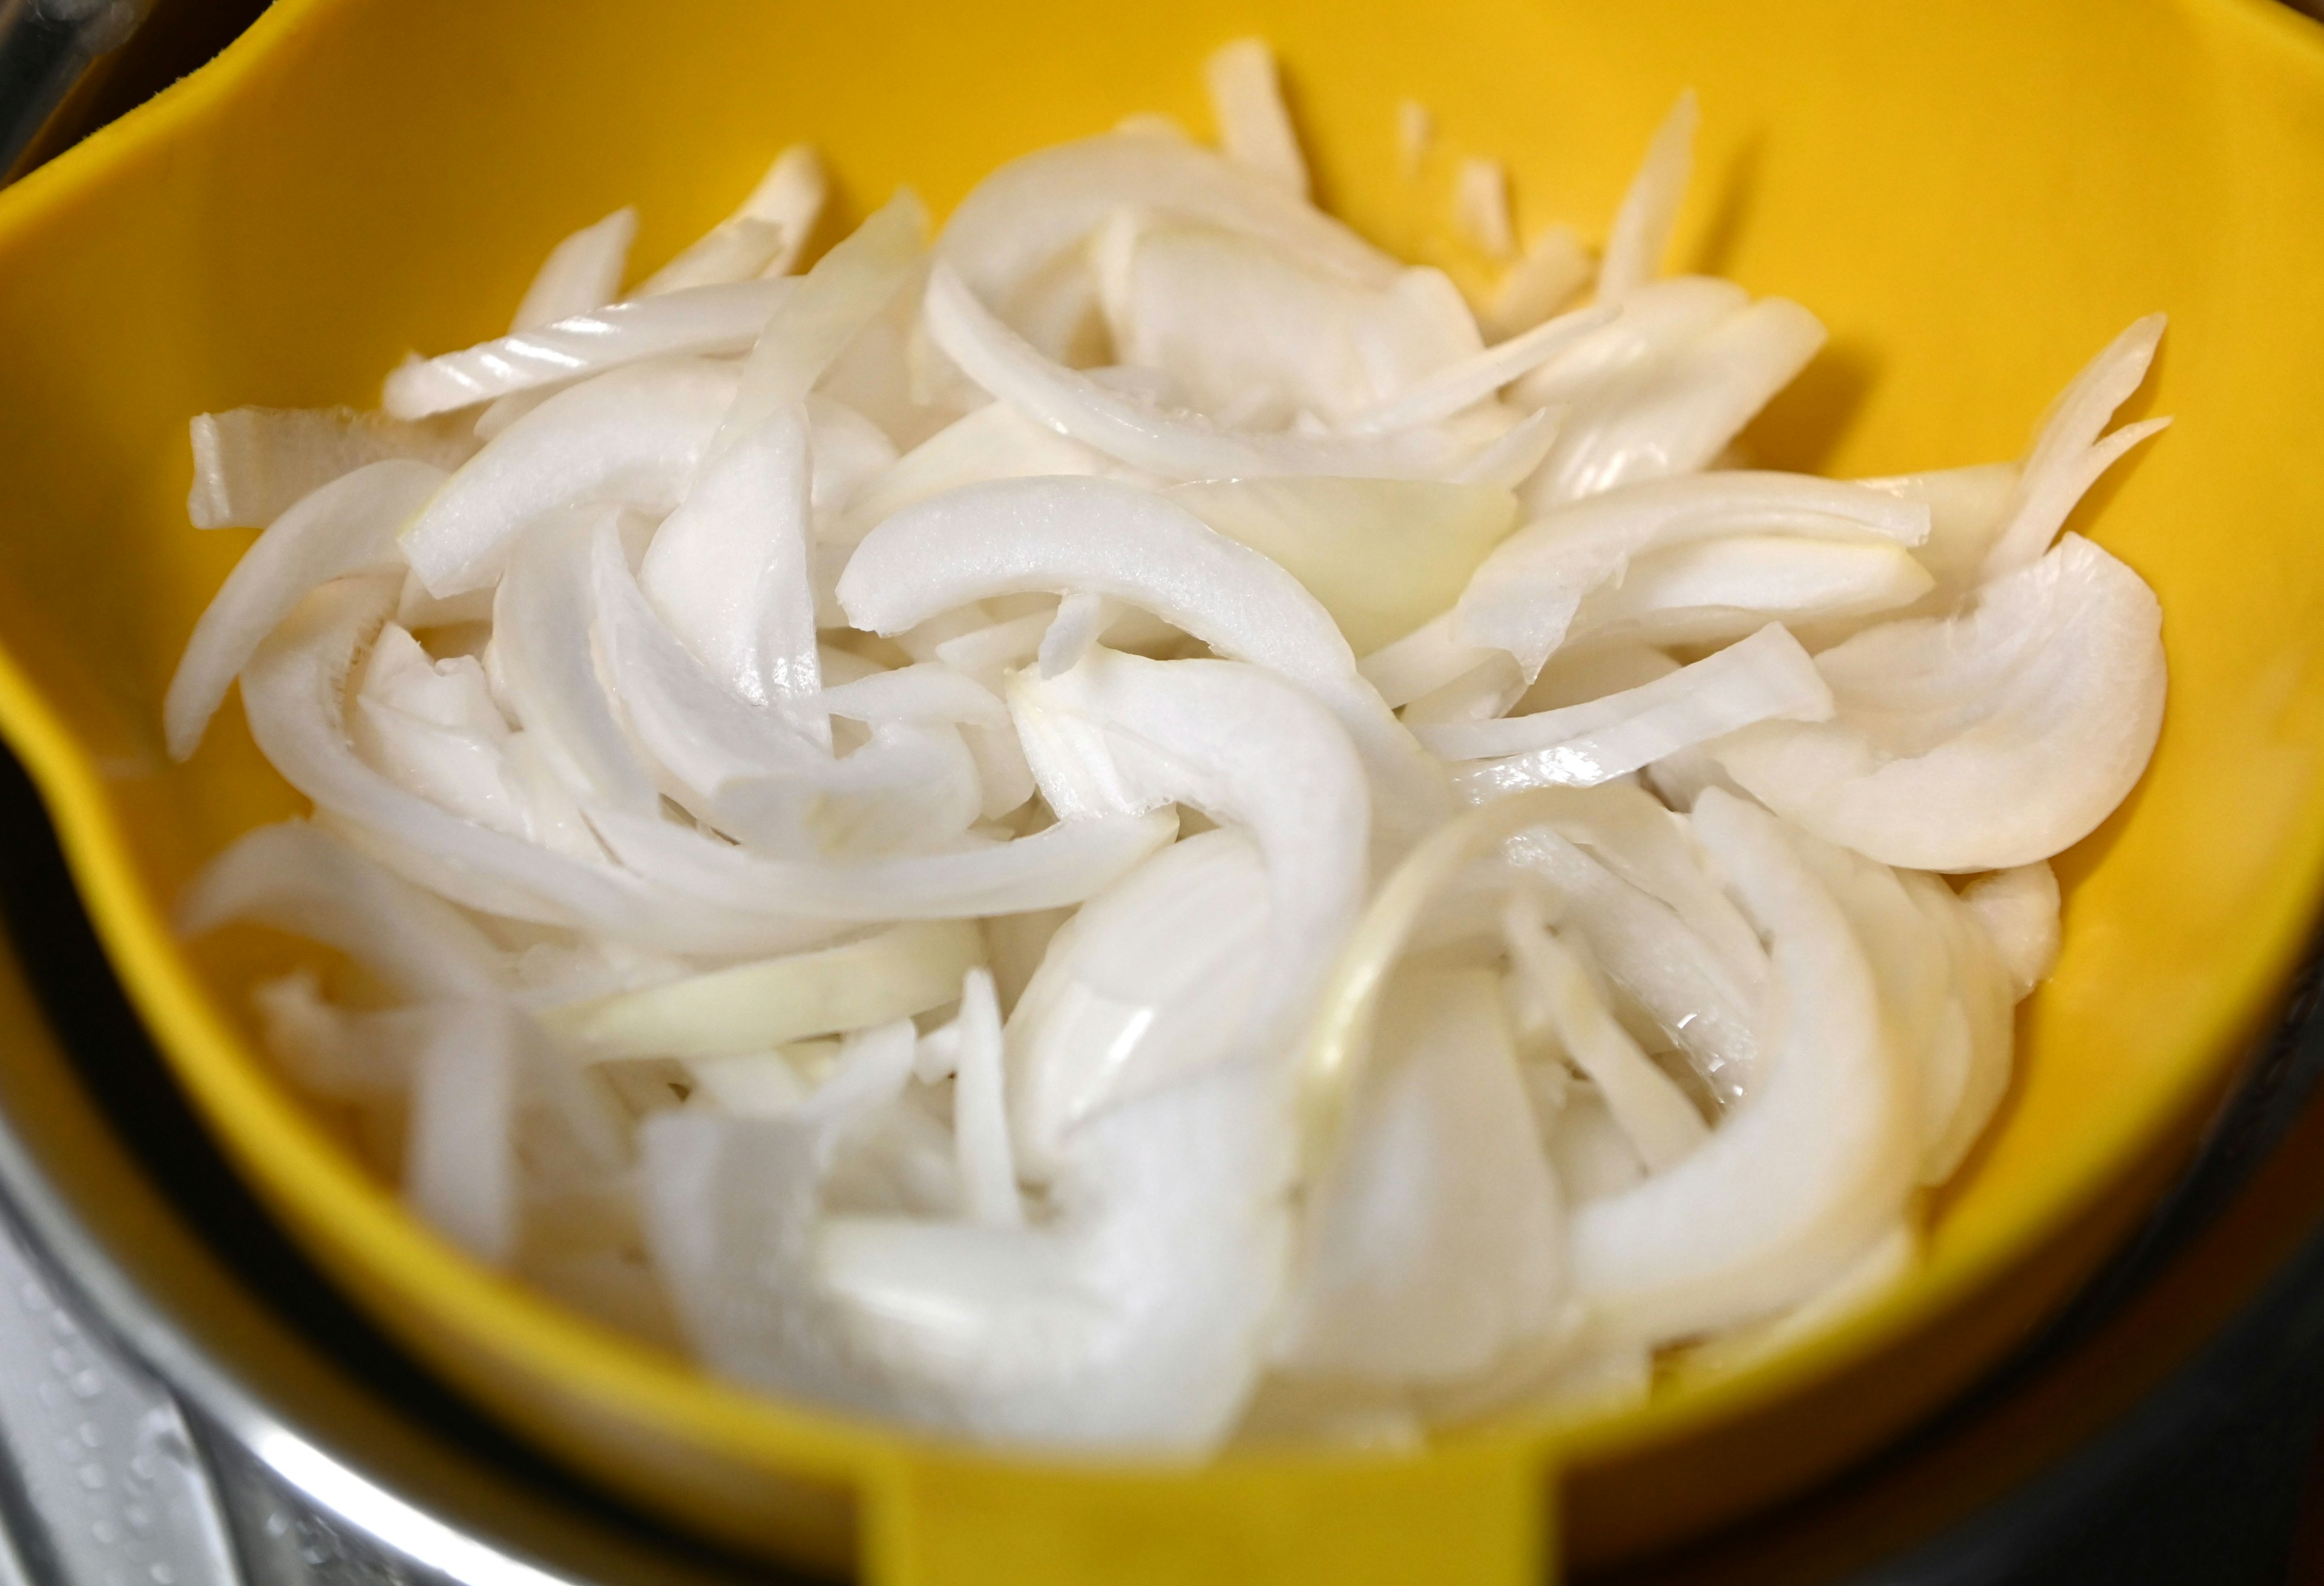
{"x":1799,"y":1180}
{"x":1524,"y":597}
{"x":1434,"y":1242}
{"x":460,"y":1173}
{"x":988,"y":1172}
{"x":1980,"y":741}
{"x":1042,"y":535}
{"x":751,"y":1006}
{"x":1175,"y":446}
{"x":1555,"y":268}
{"x":995,"y":442}
{"x":1650,"y":213}
{"x":633,"y":437}
{"x":1967,"y":509}
{"x":1463,"y":385}
{"x":707,"y":320}
{"x":1248,"y":103}
{"x":1722,"y":589}
{"x":2018,"y":909}
{"x":1764,"y":678}
{"x":923,"y":692}
{"x":1977,"y":1030}
{"x":764,"y":236}
{"x":582,"y":272}
{"x":347,"y":526}
{"x":2068,"y":454}
{"x":253,"y":465}
{"x":1383,"y":556}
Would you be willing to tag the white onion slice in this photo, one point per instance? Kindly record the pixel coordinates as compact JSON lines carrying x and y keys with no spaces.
{"x":347,"y":526}
{"x":1424,"y":661}
{"x":1718,"y":590}
{"x":582,"y":272}
{"x":1383,"y":556}
{"x":1977,"y":1029}
{"x":1767,"y":677}
{"x":460,"y":1173}
{"x":296,"y":878}
{"x":1174,"y":445}
{"x":1802,"y":1178}
{"x":1459,"y":386}
{"x":763,"y":236}
{"x":633,"y":436}
{"x":1554,"y":268}
{"x":995,"y":442}
{"x":1434,"y":1242}
{"x":752,"y":1007}
{"x":253,"y":465}
{"x":988,"y":1171}
{"x":2018,"y":909}
{"x":1980,"y":741}
{"x":1642,"y":228}
{"x":1525,"y":596}
{"x":923,"y":692}
{"x":1246,"y":102}
{"x":707,"y":320}
{"x":1061,"y":535}
{"x":2068,"y":454}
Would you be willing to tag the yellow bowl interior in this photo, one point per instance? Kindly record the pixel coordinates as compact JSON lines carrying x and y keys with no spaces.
{"x":1973,"y":199}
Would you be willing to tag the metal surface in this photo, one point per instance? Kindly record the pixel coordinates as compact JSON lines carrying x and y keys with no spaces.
{"x":46,"y":48}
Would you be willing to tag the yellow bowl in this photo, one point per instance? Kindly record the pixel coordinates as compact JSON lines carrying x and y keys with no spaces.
{"x":1974,"y":198}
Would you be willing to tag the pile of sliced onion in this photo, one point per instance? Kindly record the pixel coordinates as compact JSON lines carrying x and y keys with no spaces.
{"x":1132,"y":827}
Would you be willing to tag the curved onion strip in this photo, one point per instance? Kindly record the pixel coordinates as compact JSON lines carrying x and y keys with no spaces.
{"x":1176,"y":446}
{"x":582,"y":272}
{"x":1662,"y":1124}
{"x":1720,"y":590}
{"x":296,"y":878}
{"x":708,"y":320}
{"x":1804,"y":1177}
{"x":547,"y":672}
{"x":1064,"y":535}
{"x":728,"y":571}
{"x":1033,"y":212}
{"x":633,"y":436}
{"x":2068,"y":454}
{"x":752,"y":1007}
{"x":1423,"y":661}
{"x":1980,"y":741}
{"x":1247,"y":102}
{"x":460,"y":1174}
{"x":763,"y":236}
{"x":1554,"y":268}
{"x":979,"y":1110}
{"x":1677,"y":414}
{"x":925,"y":691}
{"x":812,"y":325}
{"x":1524,"y":596}
{"x":253,"y":465}
{"x":1767,"y":677}
{"x":1463,"y":385}
{"x":347,"y":526}
{"x":1642,"y":228}
{"x":995,"y":442}
{"x":1657,"y":322}
{"x":1061,"y":865}
{"x":1978,"y":1023}
{"x":291,"y":694}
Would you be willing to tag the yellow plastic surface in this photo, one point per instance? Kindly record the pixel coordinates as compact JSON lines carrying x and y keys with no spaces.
{"x":1974,"y":196}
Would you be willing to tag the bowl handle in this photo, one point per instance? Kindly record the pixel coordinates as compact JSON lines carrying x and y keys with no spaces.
{"x":1478,"y":1512}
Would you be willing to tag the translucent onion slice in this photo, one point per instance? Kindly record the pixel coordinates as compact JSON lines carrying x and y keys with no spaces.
{"x":582,"y":272}
{"x":1980,"y":742}
{"x":1424,"y":661}
{"x":292,"y":692}
{"x":1459,"y":386}
{"x":1555,"y":993}
{"x":347,"y":526}
{"x":1254,"y":129}
{"x":749,"y":1007}
{"x":363,"y":1058}
{"x":1554,"y":268}
{"x":432,"y":728}
{"x":296,"y":878}
{"x":709,"y":321}
{"x":1765,"y":676}
{"x":253,"y":465}
{"x":1676,"y":414}
{"x":1720,"y":590}
{"x":1978,"y":1030}
{"x":1061,"y":865}
{"x":460,"y":1173}
{"x":1642,"y":227}
{"x":728,"y":571}
{"x":980,"y":1114}
{"x":1151,"y":981}
{"x":1061,"y":535}
{"x":547,"y":668}
{"x":1173,"y":445}
{"x":2018,"y":909}
{"x":1524,"y":597}
{"x":633,"y":436}
{"x":764,"y":236}
{"x":1803,"y":1178}
{"x":1035,"y":213}
{"x":922,"y":692}
{"x":995,"y":442}
{"x":1382,"y":556}
{"x":1433,"y":1245}
{"x":1657,"y":321}
{"x":1254,"y":336}
{"x":2068,"y":455}
{"x":1967,"y":509}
